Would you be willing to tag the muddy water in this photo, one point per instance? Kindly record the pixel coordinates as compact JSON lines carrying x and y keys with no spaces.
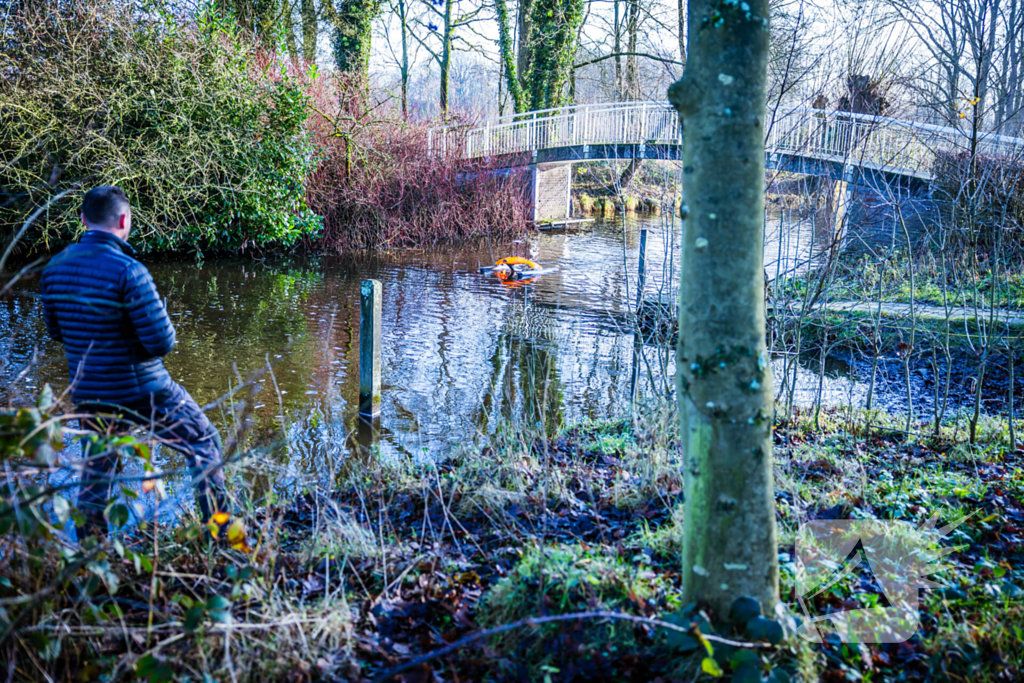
{"x":463,"y":352}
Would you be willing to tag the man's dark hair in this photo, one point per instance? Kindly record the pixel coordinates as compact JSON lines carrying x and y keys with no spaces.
{"x":102,"y":205}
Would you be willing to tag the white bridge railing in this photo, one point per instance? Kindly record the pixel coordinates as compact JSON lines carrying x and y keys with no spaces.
{"x":893,"y":145}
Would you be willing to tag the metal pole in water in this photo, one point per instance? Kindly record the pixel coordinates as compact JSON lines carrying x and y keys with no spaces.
{"x":369,"y":348}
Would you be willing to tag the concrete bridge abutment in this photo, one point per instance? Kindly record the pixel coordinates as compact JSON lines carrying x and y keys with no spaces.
{"x":552,"y":192}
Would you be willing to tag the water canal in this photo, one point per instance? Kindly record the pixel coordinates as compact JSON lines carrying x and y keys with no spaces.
{"x":463,"y":353}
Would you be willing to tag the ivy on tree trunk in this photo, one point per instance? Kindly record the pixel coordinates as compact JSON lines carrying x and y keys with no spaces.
{"x":551,"y":49}
{"x":525,"y":23}
{"x":288,"y":26}
{"x":309,"y":30}
{"x":352,"y":35}
{"x":724,"y":376}
{"x":507,"y":58}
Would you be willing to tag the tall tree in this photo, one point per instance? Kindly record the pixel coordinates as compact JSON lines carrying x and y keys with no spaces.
{"x":632,"y":89}
{"x":402,"y":9}
{"x":508,"y":61}
{"x":451,"y":19}
{"x":964,"y":39}
{"x":524,"y":24}
{"x":723,"y":373}
{"x":617,"y":47}
{"x":551,"y":45}
{"x":682,"y":30}
{"x":353,"y":21}
{"x":307,"y":11}
{"x":288,"y":28}
{"x":1009,"y":89}
{"x":447,"y":39}
{"x":256,"y":16}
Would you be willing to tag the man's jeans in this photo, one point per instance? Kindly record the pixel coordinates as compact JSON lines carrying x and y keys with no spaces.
{"x":177,"y":421}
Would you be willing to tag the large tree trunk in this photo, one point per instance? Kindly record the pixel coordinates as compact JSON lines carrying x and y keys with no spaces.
{"x":309,"y":30}
{"x":257,"y":16}
{"x":508,"y":61}
{"x":552,"y":50}
{"x":446,"y":58}
{"x":353,"y":21}
{"x":288,"y":26}
{"x":524,"y":26}
{"x":632,"y":28}
{"x":403,"y":16}
{"x":617,"y":47}
{"x":682,"y":30}
{"x":723,"y":371}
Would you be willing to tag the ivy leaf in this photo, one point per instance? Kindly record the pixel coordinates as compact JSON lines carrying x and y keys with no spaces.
{"x":744,"y":609}
{"x":744,"y":657}
{"x":117,"y":514}
{"x":765,"y":629}
{"x":154,"y":670}
{"x":711,"y":668}
{"x":45,"y":401}
{"x":62,"y":508}
{"x":219,"y":609}
{"x":677,"y":640}
{"x":192,"y":618}
{"x":778,"y":676}
{"x":746,"y":674}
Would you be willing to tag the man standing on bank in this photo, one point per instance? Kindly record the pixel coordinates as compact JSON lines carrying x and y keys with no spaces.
{"x":102,"y":304}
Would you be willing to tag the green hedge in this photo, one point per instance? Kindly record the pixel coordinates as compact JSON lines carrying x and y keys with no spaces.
{"x":203,"y":130}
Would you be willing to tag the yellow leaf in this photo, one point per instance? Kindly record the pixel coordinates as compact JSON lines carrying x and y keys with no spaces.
{"x":703,"y":641}
{"x":236,"y":532}
{"x":214,"y":530}
{"x":711,"y":668}
{"x":221,"y":518}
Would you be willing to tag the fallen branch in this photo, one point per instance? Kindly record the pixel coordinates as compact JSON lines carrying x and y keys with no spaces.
{"x":535,"y":621}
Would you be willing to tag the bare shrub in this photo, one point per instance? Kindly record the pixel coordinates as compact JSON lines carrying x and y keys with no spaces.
{"x":985,"y":192}
{"x":379,"y":186}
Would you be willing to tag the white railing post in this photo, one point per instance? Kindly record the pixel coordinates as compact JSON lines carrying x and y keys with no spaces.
{"x":895,"y":144}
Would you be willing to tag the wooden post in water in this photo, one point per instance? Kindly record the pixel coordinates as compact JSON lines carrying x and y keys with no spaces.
{"x":642,"y":270}
{"x":369,"y":348}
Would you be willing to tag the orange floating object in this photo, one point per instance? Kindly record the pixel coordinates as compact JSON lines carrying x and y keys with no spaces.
{"x":517,"y":261}
{"x":510,"y":278}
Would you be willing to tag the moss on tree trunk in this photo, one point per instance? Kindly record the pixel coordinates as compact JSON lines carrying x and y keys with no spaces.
{"x":724,"y":377}
{"x":551,"y":49}
{"x":353,"y":22}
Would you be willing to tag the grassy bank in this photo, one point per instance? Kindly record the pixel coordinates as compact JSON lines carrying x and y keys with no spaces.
{"x":926,"y":278}
{"x":351,"y":579}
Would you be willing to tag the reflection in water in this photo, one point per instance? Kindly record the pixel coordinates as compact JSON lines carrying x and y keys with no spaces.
{"x":463,"y":352}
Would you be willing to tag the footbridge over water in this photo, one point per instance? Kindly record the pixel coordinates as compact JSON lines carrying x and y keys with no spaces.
{"x":883,"y":153}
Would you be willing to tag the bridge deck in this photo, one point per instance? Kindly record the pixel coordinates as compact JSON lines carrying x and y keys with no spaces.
{"x":860,"y":146}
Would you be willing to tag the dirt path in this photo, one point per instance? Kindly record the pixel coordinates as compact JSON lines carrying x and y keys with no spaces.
{"x":1003,"y":316}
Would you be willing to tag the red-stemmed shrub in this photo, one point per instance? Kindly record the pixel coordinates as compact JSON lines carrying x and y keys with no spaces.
{"x":377,"y":185}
